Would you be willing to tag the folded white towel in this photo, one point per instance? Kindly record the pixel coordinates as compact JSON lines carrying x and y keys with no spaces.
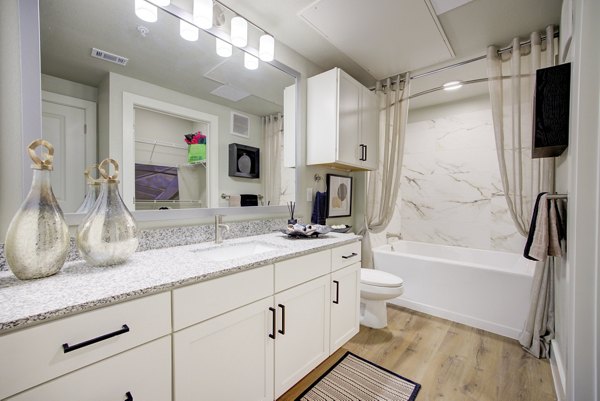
{"x":235,"y":201}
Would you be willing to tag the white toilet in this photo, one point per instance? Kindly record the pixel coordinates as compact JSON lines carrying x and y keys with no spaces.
{"x":376,"y":288}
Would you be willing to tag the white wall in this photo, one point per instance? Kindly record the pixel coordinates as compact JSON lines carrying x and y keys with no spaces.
{"x":69,"y":88}
{"x":583,"y":280}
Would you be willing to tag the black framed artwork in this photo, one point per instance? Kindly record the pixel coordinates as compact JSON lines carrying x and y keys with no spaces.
{"x":244,"y":161}
{"x":339,"y":195}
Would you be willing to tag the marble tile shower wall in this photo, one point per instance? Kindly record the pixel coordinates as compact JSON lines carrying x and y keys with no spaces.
{"x":177,"y":236}
{"x":451,"y":191}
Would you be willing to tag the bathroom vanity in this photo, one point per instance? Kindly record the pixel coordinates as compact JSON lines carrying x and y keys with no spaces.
{"x":244,"y":320}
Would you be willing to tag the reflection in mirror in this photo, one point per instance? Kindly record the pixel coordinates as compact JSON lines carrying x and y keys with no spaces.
{"x":144,"y":88}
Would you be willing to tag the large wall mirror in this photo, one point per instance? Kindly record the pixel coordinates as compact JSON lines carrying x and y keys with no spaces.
{"x":145,"y":111}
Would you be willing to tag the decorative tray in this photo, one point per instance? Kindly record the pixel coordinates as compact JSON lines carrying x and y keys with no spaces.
{"x":306,"y":230}
{"x":341,"y":230}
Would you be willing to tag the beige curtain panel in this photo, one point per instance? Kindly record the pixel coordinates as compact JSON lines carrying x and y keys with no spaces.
{"x":383,"y":183}
{"x":273,"y":133}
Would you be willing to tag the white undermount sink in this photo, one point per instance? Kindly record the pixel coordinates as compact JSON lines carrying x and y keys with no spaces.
{"x":240,"y":250}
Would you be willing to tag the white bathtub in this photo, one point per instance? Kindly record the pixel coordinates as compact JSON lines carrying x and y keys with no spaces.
{"x":484,"y":289}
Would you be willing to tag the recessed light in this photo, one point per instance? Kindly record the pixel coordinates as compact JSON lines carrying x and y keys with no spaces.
{"x":452,"y":85}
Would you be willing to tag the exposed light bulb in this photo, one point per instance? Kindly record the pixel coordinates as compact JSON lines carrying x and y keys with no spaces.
{"x":188,"y":31}
{"x":250,"y":62}
{"x":162,"y":3}
{"x":239,"y":31}
{"x":452,"y":85}
{"x":146,"y":11}
{"x":266,"y":50}
{"x":203,"y":13}
{"x":224,"y":49}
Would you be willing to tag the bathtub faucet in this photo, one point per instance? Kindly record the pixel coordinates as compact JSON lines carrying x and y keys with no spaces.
{"x":389,"y":235}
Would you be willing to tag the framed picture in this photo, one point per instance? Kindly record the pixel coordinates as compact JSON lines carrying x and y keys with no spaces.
{"x":244,"y":161}
{"x":240,"y":124}
{"x":339,"y":195}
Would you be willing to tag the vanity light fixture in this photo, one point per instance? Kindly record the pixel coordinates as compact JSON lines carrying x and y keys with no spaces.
{"x":239,"y":31}
{"x":203,"y":13}
{"x":266,"y":49}
{"x":250,"y":62}
{"x":188,"y":31}
{"x":452,"y":85}
{"x":146,"y":11}
{"x":224,"y":49}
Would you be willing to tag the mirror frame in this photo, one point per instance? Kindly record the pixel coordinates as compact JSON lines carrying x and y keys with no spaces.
{"x":31,"y":91}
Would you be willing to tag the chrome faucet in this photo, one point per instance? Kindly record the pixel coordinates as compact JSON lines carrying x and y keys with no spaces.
{"x":219,"y":226}
{"x":389,"y":235}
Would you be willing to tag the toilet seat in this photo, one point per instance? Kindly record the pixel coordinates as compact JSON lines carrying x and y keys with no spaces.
{"x":378,"y":278}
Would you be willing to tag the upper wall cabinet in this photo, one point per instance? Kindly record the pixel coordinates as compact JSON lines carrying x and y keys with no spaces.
{"x":342,"y":122}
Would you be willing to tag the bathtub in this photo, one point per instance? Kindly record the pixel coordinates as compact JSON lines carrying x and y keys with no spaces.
{"x":484,"y":289}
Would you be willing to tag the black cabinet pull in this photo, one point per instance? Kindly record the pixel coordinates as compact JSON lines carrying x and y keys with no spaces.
{"x":366,"y":154}
{"x":128,"y":396}
{"x":69,"y":348}
{"x":353,"y":254}
{"x":337,"y":292}
{"x":362,"y":152}
{"x":282,"y":331}
{"x":274,"y":328}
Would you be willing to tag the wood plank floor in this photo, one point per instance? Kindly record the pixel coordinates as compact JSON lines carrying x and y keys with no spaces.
{"x":451,"y":361}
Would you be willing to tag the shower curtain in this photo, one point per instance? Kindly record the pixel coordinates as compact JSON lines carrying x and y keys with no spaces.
{"x":522,"y":177}
{"x":383,"y":183}
{"x":273,"y":133}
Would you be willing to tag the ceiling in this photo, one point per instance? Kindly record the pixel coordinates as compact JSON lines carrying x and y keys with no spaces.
{"x":378,"y":38}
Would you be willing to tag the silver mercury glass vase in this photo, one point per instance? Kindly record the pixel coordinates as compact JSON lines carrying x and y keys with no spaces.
{"x":108,"y":234}
{"x":37,"y":240}
{"x":92,"y":190}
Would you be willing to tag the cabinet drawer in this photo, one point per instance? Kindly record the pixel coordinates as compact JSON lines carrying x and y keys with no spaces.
{"x":198,"y":302}
{"x":345,"y":255}
{"x":300,"y":270}
{"x":143,"y":372}
{"x":37,"y":354}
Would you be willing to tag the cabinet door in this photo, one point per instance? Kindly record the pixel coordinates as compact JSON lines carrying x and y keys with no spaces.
{"x":229,"y":357}
{"x":303,"y":337}
{"x":349,"y":151}
{"x":369,"y":134}
{"x":345,"y":305}
{"x":144,"y":373}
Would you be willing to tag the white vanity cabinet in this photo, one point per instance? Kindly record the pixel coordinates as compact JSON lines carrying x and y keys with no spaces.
{"x":246,"y":336}
{"x":229,"y":357}
{"x":342,"y":122}
{"x":143,"y":373}
{"x":302,"y":305}
{"x":47,"y":351}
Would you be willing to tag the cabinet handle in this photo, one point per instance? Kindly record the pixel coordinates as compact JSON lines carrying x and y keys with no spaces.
{"x":362,"y":152}
{"x":353,"y":254}
{"x":337,"y":292}
{"x":282,"y":331}
{"x":366,"y":154}
{"x":274,"y":328}
{"x":128,"y":396}
{"x":69,"y":348}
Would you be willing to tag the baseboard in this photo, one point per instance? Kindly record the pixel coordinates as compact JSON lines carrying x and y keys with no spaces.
{"x":558,"y":371}
{"x":506,"y":331}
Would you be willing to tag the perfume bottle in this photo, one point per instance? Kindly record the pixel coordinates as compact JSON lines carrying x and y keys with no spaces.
{"x":108,"y":234}
{"x":37,"y":240}
{"x":92,"y":190}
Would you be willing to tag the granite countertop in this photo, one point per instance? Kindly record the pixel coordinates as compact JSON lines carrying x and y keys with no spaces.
{"x":79,"y":287}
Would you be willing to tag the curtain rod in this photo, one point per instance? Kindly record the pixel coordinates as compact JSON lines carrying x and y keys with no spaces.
{"x":461,"y":63}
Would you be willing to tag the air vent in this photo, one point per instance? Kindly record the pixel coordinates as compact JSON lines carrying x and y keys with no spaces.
{"x":113,"y":58}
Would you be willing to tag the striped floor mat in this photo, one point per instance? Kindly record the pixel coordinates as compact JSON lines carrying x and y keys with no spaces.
{"x":353,"y":378}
